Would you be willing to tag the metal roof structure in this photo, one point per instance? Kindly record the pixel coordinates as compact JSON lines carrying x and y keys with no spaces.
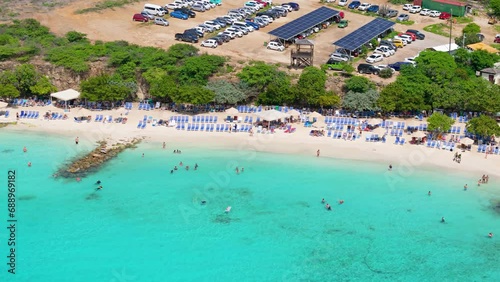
{"x":307,"y":21}
{"x":364,"y":34}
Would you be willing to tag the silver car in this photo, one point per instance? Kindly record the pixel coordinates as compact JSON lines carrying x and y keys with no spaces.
{"x":161,"y":21}
{"x":198,"y":8}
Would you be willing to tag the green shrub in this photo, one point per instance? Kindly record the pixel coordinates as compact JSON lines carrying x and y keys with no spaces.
{"x":386,"y":73}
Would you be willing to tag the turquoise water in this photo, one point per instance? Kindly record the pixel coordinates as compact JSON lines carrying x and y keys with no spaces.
{"x":148,"y":225}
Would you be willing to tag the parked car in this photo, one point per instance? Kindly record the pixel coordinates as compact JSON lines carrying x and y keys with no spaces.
{"x":219,"y":40}
{"x":198,"y":8}
{"x":148,"y":15}
{"x":224,"y":37}
{"x":343,"y":2}
{"x":179,"y":15}
{"x":411,"y":35}
{"x":415,"y":9}
{"x":173,"y":6}
{"x":139,"y":18}
{"x":411,"y":60}
{"x":186,"y":37}
{"x":231,"y":34}
{"x":398,"y":43}
{"x":389,"y":44}
{"x":237,"y":32}
{"x":383,"y":67}
{"x":407,"y":7}
{"x":403,"y":17}
{"x":389,"y":13}
{"x":364,"y":6}
{"x":194,"y":32}
{"x":295,"y":6}
{"x":497,"y":39}
{"x":373,"y":58}
{"x":343,"y":23}
{"x":373,"y":9}
{"x":417,"y":33}
{"x":368,"y":69}
{"x":397,"y":66}
{"x":386,"y":52}
{"x":161,"y":21}
{"x":425,"y":12}
{"x":339,"y":57}
{"x":405,"y":40}
{"x":186,"y":11}
{"x":444,"y":16}
{"x":277,"y":46}
{"x":354,"y":5}
{"x":207,"y":28}
{"x":212,"y":24}
{"x":434,"y":14}
{"x":332,"y":64}
{"x":211,"y":43}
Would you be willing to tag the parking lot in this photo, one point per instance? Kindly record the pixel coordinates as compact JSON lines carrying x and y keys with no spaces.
{"x":117,"y":24}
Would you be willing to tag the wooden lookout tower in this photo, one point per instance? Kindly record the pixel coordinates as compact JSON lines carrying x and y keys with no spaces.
{"x":303,"y":55}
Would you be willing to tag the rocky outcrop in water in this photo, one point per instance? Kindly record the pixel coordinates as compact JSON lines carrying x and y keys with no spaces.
{"x":91,"y":162}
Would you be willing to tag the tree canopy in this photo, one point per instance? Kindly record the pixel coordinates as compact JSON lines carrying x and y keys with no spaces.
{"x":366,"y":101}
{"x":104,"y":88}
{"x":484,"y":126}
{"x":226,"y":92}
{"x":440,"y":123}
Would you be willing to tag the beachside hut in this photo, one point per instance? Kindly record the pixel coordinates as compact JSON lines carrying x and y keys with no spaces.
{"x":466,"y":141}
{"x":232,"y":111}
{"x":66,"y":95}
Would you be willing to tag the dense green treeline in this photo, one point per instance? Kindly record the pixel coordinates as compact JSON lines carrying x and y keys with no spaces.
{"x":181,"y":74}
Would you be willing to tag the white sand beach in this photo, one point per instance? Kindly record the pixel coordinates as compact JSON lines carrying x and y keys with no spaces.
{"x":404,"y":158}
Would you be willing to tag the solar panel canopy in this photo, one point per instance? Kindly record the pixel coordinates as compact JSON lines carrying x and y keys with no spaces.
{"x":307,"y":21}
{"x":364,"y":34}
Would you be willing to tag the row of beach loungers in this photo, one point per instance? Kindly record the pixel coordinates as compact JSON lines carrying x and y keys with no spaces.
{"x":6,"y":114}
{"x":213,"y":127}
{"x":99,"y":118}
{"x":484,"y":148}
{"x":345,"y":135}
{"x":341,"y":120}
{"x":441,"y":145}
{"x":461,"y":119}
{"x":29,"y":114}
{"x":399,"y":141}
{"x":204,"y":119}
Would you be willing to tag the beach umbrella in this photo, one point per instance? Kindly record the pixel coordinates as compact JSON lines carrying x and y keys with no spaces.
{"x":418,"y":134}
{"x":3,"y":105}
{"x":315,"y":115}
{"x":319,"y":124}
{"x":83,"y":112}
{"x":374,"y":121}
{"x":232,"y":111}
{"x":466,"y":141}
{"x":271,"y":115}
{"x":293,"y":113}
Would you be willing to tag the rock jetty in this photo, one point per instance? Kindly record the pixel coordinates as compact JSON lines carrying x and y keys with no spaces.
{"x":91,"y":162}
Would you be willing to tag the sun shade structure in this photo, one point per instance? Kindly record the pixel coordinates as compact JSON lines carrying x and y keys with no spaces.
{"x":271,"y":115}
{"x":66,"y":95}
{"x":306,"y":22}
{"x":364,"y":34}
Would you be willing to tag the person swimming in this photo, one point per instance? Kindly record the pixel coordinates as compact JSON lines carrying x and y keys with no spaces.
{"x":328,"y":207}
{"x":203,"y":202}
{"x":442,"y":219}
{"x":98,"y":188}
{"x":341,"y":202}
{"x":24,"y":149}
{"x":98,"y":182}
{"x":175,"y":167}
{"x":323,"y":200}
{"x":180,"y":164}
{"x":195,"y":166}
{"x":187,"y":167}
{"x":429,"y":193}
{"x":29,"y":164}
{"x":490,"y":235}
{"x":171,"y":171}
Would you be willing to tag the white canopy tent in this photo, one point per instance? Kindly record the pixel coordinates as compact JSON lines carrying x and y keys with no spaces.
{"x":271,"y":115}
{"x":66,"y":95}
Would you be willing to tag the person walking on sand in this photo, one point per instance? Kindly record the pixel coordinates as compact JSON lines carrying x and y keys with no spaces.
{"x":77,"y":140}
{"x":317,"y":153}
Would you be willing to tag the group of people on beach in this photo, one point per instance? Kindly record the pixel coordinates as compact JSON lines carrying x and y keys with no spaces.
{"x":484,"y":179}
{"x":457,"y":158}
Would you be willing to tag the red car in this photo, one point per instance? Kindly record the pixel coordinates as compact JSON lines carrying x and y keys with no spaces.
{"x":444,"y":16}
{"x":262,"y":2}
{"x":497,"y":39}
{"x":139,"y":18}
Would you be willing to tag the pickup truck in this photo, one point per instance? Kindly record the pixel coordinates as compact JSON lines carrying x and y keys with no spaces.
{"x":186,"y":37}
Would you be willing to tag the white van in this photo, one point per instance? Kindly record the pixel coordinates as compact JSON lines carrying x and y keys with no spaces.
{"x":156,"y":10}
{"x":243,"y":25}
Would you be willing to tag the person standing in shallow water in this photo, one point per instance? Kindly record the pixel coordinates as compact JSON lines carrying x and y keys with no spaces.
{"x":317,"y":153}
{"x":77,"y":140}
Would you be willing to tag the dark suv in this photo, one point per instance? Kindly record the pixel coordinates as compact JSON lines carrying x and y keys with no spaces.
{"x":186,"y":37}
{"x":367,"y":68}
{"x":417,"y":33}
